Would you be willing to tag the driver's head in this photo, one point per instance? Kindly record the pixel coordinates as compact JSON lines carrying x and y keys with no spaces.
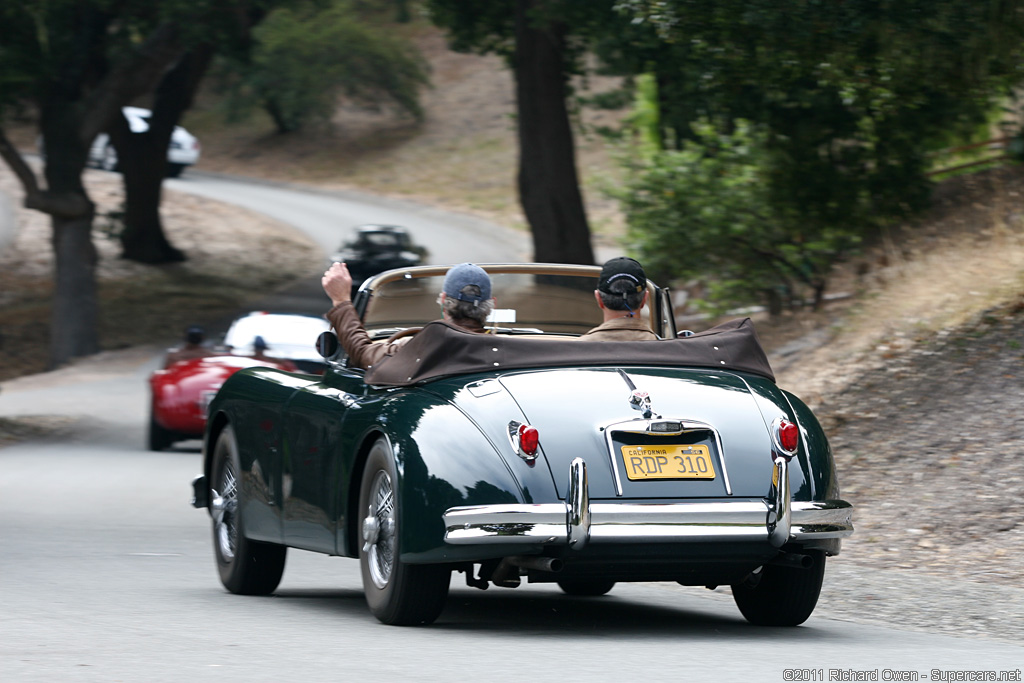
{"x":467,"y":293}
{"x":194,"y":334}
{"x":622,"y":284}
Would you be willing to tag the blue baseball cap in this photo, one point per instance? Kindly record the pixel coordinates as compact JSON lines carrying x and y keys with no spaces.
{"x":466,"y":275}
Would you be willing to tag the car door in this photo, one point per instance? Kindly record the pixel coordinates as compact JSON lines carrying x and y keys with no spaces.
{"x":312,"y":462}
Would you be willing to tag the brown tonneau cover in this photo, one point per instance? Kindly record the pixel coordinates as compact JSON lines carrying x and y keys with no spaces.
{"x":441,"y":349}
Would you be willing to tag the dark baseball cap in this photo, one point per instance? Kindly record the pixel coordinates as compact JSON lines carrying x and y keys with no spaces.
{"x":462,"y":276}
{"x":622,"y":268}
{"x":194,"y":334}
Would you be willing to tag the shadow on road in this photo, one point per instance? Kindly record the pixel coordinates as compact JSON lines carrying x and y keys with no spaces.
{"x":556,"y":614}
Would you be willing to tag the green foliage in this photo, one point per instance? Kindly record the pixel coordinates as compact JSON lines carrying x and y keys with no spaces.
{"x":706,"y":211}
{"x":848,"y":100}
{"x":488,"y":26}
{"x":646,"y":116}
{"x":305,"y":59}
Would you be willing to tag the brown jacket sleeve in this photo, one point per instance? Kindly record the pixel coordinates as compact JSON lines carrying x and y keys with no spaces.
{"x":352,"y":335}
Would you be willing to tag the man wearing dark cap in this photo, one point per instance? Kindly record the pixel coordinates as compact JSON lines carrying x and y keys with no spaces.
{"x":621,"y":293}
{"x":465,"y":301}
{"x":192,"y":348}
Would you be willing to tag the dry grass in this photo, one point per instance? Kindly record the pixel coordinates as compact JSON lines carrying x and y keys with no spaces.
{"x":964,"y":256}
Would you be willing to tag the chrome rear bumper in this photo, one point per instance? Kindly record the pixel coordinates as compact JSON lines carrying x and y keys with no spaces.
{"x":577,"y":521}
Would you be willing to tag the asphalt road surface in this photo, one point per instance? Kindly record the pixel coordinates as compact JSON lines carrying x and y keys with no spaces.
{"x":107,"y":574}
{"x":328,"y":218}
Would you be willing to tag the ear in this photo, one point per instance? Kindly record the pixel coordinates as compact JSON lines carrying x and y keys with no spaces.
{"x":643,"y":302}
{"x":597,"y":297}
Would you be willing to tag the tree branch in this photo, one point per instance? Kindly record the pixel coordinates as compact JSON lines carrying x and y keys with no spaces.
{"x":132,"y":78}
{"x":14,"y":159}
{"x":772,"y":256}
{"x":66,"y":205}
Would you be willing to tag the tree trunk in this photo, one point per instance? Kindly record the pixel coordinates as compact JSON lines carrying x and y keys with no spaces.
{"x":143,"y":239}
{"x":548,"y":183}
{"x":73,"y":328}
{"x":143,"y":161}
{"x":73,"y":325}
{"x":74,"y":107}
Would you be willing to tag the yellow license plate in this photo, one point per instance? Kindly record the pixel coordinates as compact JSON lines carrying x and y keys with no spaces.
{"x":668,"y":462}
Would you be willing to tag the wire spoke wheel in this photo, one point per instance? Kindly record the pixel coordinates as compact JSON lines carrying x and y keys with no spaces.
{"x":379,"y":530}
{"x":397,"y":592}
{"x":246,"y":567}
{"x":225,"y":509}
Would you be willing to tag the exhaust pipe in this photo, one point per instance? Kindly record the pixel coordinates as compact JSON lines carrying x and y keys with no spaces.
{"x":506,"y":574}
{"x":544,"y":564}
{"x":795,"y":560}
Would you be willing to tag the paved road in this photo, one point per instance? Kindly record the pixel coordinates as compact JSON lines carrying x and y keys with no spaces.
{"x":328,"y":218}
{"x":107,"y":574}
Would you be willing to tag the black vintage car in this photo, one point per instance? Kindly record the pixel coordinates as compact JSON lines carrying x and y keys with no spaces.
{"x":526,"y":454}
{"x":376,"y":248}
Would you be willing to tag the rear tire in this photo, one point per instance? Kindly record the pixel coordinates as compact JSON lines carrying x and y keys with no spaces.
{"x":158,"y":438}
{"x":781,"y":596}
{"x":246,"y":567}
{"x":174,"y":170}
{"x":586,"y":587}
{"x":397,"y":593}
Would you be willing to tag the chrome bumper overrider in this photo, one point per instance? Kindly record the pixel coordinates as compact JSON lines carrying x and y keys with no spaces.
{"x":577,"y":521}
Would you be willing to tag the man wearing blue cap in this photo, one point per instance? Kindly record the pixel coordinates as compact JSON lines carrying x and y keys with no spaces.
{"x":465,"y":301}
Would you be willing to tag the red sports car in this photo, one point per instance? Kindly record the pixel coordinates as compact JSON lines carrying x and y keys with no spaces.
{"x":182,"y":391}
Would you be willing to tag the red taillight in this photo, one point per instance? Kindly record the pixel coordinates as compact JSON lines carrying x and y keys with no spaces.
{"x":529,"y":439}
{"x":787,"y":436}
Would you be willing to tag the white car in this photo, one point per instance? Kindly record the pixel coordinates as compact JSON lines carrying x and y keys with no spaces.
{"x":286,"y":336}
{"x":183,"y":150}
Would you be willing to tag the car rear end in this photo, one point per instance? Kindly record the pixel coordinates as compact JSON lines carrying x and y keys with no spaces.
{"x":688,"y":475}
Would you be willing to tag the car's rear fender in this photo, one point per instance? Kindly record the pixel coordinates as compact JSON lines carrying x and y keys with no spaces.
{"x":812,"y":472}
{"x":443,"y":460}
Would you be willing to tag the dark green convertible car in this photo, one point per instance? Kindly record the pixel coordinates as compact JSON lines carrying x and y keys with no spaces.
{"x":526,"y":454}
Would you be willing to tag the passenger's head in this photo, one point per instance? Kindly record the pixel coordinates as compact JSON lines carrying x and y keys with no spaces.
{"x":259,"y":344}
{"x":467,"y":293}
{"x":622,"y":284}
{"x":194,"y":335}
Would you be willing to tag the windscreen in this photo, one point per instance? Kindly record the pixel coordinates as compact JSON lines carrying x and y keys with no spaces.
{"x":524,"y":302}
{"x":286,"y":336}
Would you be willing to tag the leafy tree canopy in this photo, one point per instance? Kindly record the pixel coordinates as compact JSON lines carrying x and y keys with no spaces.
{"x":847,"y":99}
{"x":80,"y":61}
{"x":305,"y":57}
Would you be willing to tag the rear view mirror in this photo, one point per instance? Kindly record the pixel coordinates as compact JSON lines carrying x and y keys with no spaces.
{"x":327,"y":344}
